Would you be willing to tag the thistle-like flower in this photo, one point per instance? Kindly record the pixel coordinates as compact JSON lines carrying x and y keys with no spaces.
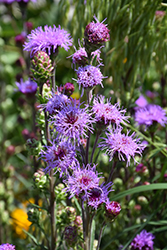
{"x":99,"y":195}
{"x":59,"y":156}
{"x":144,"y":240}
{"x":73,"y":122}
{"x":95,"y":35}
{"x":113,"y":208}
{"x":126,"y":146}
{"x":106,"y":113}
{"x":41,"y":66}
{"x":56,"y":103}
{"x":7,"y":246}
{"x":82,"y":181}
{"x":150,"y":114}
{"x":27,"y":87}
{"x":48,"y":40}
{"x":89,"y":76}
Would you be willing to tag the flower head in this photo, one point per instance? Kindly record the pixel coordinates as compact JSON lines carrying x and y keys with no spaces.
{"x":113,"y":208}
{"x":141,"y":102}
{"x":19,"y":1}
{"x":7,"y":246}
{"x":27,"y":87}
{"x":56,"y":103}
{"x":89,"y":76}
{"x":151,"y":113}
{"x":144,"y":240}
{"x":59,"y":156}
{"x":99,"y":195}
{"x":95,"y":35}
{"x":106,"y":113}
{"x":82,"y":181}
{"x":48,"y":40}
{"x":72,"y":122}
{"x":124,"y":145}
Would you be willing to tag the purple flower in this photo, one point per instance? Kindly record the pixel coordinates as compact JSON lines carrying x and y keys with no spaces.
{"x":89,"y":76}
{"x":106,"y":113}
{"x":7,"y":246}
{"x":73,"y":122}
{"x":82,"y":181}
{"x":59,"y":156}
{"x":99,"y":195}
{"x":142,"y":241}
{"x":113,"y":208}
{"x":48,"y":40}
{"x":96,"y":33}
{"x":141,"y":102}
{"x":27,"y":87}
{"x":151,"y":113}
{"x":56,"y":103}
{"x":126,"y":146}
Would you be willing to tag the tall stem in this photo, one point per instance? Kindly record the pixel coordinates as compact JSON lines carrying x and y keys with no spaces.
{"x":100,"y":235}
{"x":94,"y":146}
{"x":52,"y":211}
{"x":112,"y":171}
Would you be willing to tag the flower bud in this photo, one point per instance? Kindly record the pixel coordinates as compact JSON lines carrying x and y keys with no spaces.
{"x":41,"y":66}
{"x":70,"y":235}
{"x":113,"y":208}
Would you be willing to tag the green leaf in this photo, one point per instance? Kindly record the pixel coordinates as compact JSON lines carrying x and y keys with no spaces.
{"x":139,"y":189}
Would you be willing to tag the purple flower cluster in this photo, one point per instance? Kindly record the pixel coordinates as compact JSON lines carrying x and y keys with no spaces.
{"x":89,"y":76}
{"x":73,"y":122}
{"x":48,"y":40}
{"x":56,"y":103}
{"x":7,"y":246}
{"x":113,"y":208}
{"x":59,"y":156}
{"x":144,"y":240}
{"x":27,"y":87}
{"x":126,"y":146}
{"x":106,"y":113}
{"x":80,"y":57}
{"x":150,"y":114}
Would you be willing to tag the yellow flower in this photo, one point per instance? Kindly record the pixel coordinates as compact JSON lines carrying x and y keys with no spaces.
{"x":20,"y":221}
{"x":75,"y":95}
{"x":125,"y":60}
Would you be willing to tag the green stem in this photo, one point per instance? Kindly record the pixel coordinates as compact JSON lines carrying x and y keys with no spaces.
{"x":100,"y":235}
{"x":94,"y":146}
{"x":112,"y":171}
{"x":52,"y":211}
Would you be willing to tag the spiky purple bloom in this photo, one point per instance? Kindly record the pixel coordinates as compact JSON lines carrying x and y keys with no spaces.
{"x":89,"y":76}
{"x":113,"y":208}
{"x":27,"y":87}
{"x":141,"y":102}
{"x":106,"y":113}
{"x":82,"y":180}
{"x":126,"y":146}
{"x":144,"y":240}
{"x":7,"y":246}
{"x":99,"y":195}
{"x":96,"y":33}
{"x":80,"y":57}
{"x":48,"y":40}
{"x":150,"y":114}
{"x":60,"y":156}
{"x":73,"y":122}
{"x":56,"y":103}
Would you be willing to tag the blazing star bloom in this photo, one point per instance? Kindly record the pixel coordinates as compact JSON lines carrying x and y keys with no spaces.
{"x":126,"y":146}
{"x":7,"y":246}
{"x":144,"y":240}
{"x":27,"y":87}
{"x":89,"y":76}
{"x":141,"y":102}
{"x":11,"y":1}
{"x":48,"y":40}
{"x":82,"y":180}
{"x":96,"y":33}
{"x":59,"y":156}
{"x":56,"y":103}
{"x":73,"y":122}
{"x":106,"y":113}
{"x":99,"y":195}
{"x":113,"y":208}
{"x":152,"y":113}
